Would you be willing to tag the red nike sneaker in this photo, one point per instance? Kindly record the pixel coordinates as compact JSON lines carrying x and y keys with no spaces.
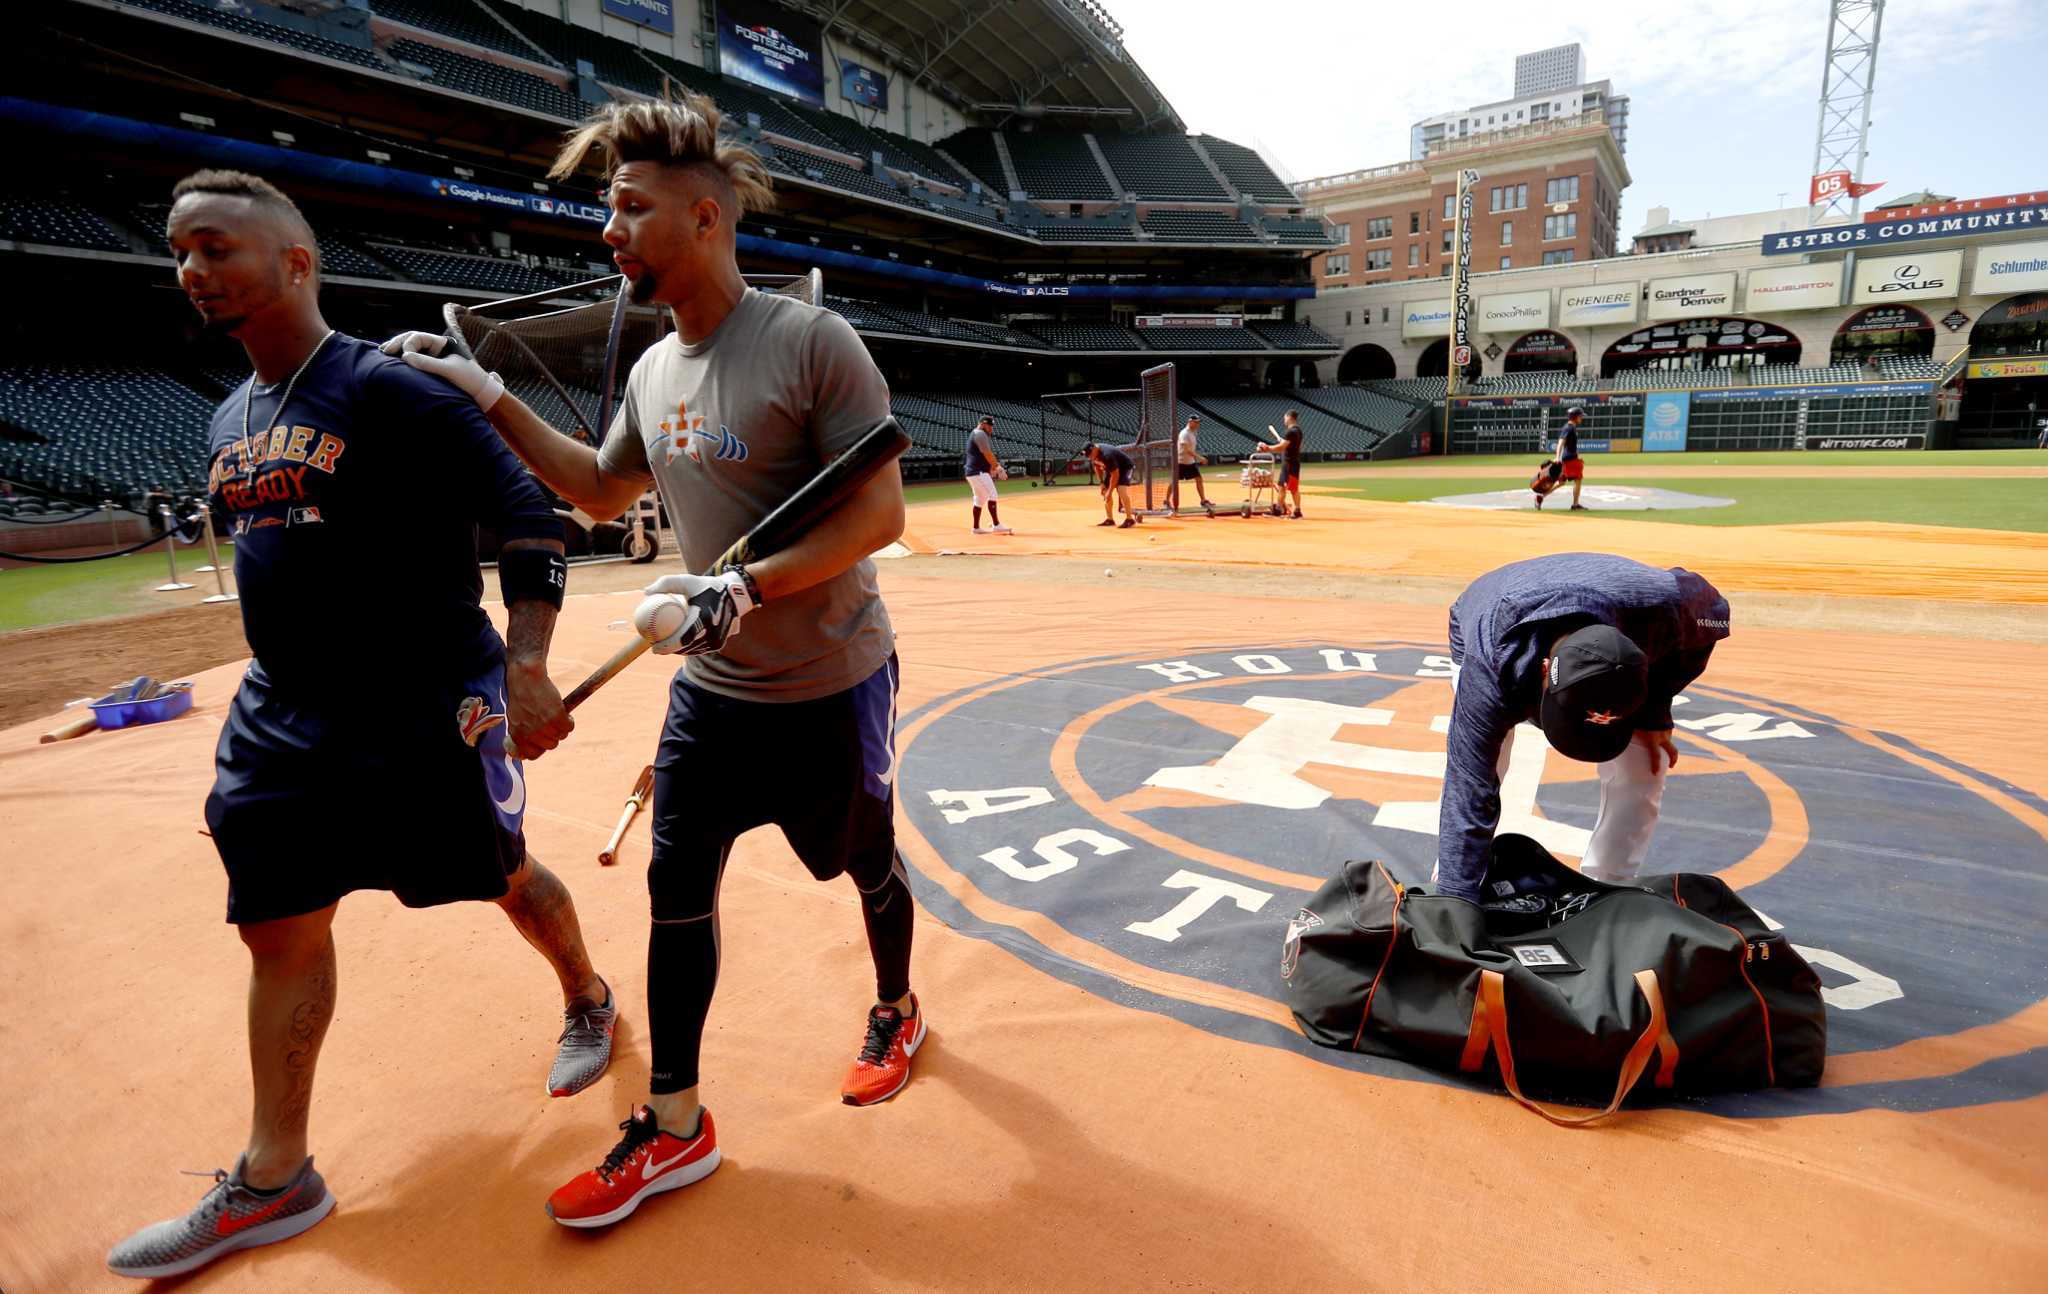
{"x":883,"y":1066}
{"x":646,"y":1160}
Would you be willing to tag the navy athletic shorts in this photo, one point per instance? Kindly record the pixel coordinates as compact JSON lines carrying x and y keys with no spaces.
{"x":1188,"y":472}
{"x":823,"y":770}
{"x":313,"y":799}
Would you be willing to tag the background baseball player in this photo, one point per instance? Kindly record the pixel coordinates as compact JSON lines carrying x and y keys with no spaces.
{"x":1591,"y":647}
{"x":1287,"y":474}
{"x":1188,"y":462}
{"x":1114,"y":466}
{"x":1570,"y":465}
{"x":982,"y":470}
{"x":784,"y":711}
{"x":341,"y":766}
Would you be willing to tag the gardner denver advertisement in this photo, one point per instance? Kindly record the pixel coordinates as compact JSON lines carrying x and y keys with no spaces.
{"x":766,"y":45}
{"x":1692,"y":296}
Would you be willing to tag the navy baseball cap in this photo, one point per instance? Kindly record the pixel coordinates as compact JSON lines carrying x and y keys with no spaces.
{"x":1598,"y":680}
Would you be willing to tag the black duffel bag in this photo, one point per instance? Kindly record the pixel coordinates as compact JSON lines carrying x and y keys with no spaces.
{"x":1568,"y":987}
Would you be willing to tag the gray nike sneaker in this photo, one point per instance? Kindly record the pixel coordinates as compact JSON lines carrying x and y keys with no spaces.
{"x":231,"y":1217}
{"x":585,"y":1047}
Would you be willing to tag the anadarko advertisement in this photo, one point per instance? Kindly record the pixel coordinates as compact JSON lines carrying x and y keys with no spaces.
{"x":1514,"y":312}
{"x":1692,"y":295}
{"x":1796,"y":287}
{"x":2011,"y":267}
{"x":1426,"y":318}
{"x":1886,"y":279}
{"x":1604,"y":303}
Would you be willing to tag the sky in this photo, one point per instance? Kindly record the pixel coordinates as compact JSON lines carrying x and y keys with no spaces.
{"x":1724,"y":94}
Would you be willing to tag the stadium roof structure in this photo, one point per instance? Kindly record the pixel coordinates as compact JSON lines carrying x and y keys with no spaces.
{"x":1006,"y":58}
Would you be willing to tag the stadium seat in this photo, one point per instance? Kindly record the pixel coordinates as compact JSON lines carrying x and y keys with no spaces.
{"x":464,"y":20}
{"x":1247,"y":170}
{"x":487,"y":80}
{"x":1160,"y":166}
{"x":1288,"y":335}
{"x":1082,"y":336}
{"x":615,"y":61}
{"x":1197,"y":227}
{"x":1058,"y":167}
{"x":1298,"y":232}
{"x":243,"y":25}
{"x":58,"y":222}
{"x":1202,"y":339}
{"x":976,"y":150}
{"x":484,"y":273}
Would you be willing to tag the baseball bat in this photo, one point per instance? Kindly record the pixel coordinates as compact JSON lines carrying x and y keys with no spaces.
{"x":641,"y":787}
{"x":77,"y":726}
{"x":880,"y":446}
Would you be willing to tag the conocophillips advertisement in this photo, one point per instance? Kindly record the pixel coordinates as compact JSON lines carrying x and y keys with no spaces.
{"x":1514,"y":312}
{"x":1796,"y":287}
{"x":1426,"y":318}
{"x":2010,"y":267}
{"x":766,"y":45}
{"x":1603,"y":303}
{"x":1886,"y":279}
{"x":1692,"y":295}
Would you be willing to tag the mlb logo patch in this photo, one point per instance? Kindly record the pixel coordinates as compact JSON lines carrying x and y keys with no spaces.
{"x":305,"y":516}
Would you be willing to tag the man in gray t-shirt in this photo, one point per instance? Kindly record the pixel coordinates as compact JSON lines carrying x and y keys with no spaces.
{"x":785,"y":709}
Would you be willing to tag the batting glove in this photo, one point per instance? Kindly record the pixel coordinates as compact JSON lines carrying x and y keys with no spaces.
{"x":709,"y":617}
{"x":1002,"y":473}
{"x":423,"y":350}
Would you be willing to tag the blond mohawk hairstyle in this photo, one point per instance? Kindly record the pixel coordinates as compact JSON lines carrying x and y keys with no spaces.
{"x":675,"y":130}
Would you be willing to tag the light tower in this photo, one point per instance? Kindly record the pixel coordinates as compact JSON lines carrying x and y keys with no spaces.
{"x":1846,"y":83}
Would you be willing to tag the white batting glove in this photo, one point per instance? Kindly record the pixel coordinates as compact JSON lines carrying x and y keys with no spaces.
{"x":693,"y":614}
{"x":423,"y":350}
{"x":1002,"y":473}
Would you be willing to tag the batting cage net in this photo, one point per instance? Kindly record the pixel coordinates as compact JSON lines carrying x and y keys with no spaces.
{"x":568,"y":359}
{"x":1158,"y":421}
{"x":1141,"y":420}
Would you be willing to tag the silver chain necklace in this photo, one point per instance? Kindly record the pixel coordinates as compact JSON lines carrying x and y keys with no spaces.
{"x":249,"y":398}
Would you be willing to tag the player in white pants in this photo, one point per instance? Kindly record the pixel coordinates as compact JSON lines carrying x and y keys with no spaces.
{"x":1592,"y":648}
{"x":978,"y":464}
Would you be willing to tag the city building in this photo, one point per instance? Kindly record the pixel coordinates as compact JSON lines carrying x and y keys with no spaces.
{"x":1548,"y":194}
{"x":1546,"y":71}
{"x":1549,"y":84}
{"x":1660,"y":233}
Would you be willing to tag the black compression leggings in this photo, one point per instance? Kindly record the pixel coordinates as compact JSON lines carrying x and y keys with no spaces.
{"x":682,"y":963}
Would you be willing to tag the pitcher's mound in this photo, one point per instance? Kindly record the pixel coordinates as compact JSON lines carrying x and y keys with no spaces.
{"x":1600,"y":498}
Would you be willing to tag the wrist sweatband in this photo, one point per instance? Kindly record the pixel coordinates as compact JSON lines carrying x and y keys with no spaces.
{"x":753,"y":589}
{"x":532,"y":575}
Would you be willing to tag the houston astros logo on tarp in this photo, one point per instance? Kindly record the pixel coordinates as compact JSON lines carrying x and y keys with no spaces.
{"x":1147,"y":827}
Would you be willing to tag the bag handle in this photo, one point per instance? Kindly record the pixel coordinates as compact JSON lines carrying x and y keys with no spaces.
{"x":1489,"y":1032}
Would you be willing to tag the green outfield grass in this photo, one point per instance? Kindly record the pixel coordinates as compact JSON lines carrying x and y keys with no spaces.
{"x":1640,"y":464}
{"x":1985,"y":503}
{"x":48,"y":595}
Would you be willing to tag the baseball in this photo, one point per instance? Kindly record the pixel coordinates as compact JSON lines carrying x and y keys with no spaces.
{"x":1108,"y":574}
{"x":660,"y":616}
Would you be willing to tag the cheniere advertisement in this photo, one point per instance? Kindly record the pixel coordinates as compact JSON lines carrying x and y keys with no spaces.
{"x":770,"y":47}
{"x":1605,"y":303}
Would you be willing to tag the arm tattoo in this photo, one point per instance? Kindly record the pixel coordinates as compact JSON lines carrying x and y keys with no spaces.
{"x":530,"y":625}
